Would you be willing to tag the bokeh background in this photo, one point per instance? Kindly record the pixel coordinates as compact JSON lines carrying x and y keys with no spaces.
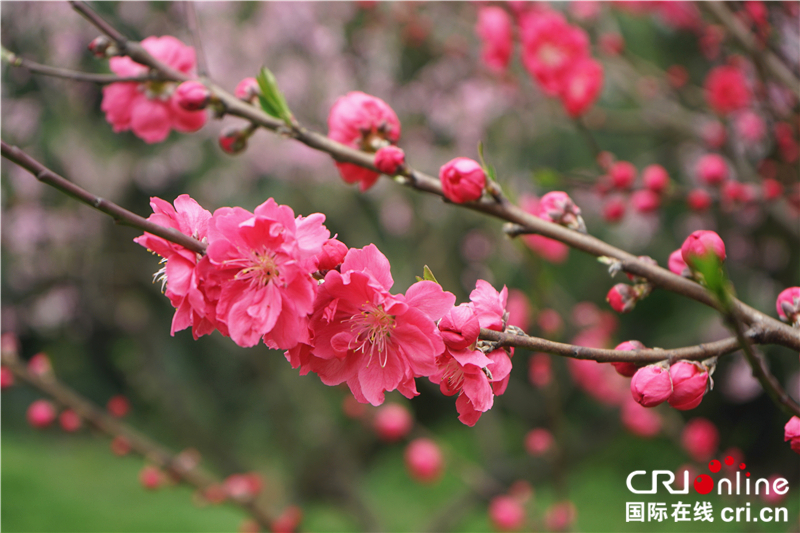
{"x":76,"y":287}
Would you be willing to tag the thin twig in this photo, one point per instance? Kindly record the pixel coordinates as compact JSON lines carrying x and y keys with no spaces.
{"x":75,"y":75}
{"x":645,"y":356}
{"x":139,"y":443}
{"x":119,"y":214}
{"x":193,"y":22}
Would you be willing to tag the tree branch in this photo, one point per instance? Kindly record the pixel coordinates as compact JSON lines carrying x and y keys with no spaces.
{"x":119,"y":214}
{"x":646,"y":356}
{"x":113,"y":427}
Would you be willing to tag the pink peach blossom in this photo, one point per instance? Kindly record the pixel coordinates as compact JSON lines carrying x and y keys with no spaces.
{"x":689,"y":382}
{"x":651,"y":385}
{"x":726,"y":89}
{"x":702,"y":243}
{"x":150,"y":109}
{"x":496,"y":32}
{"x":581,"y":87}
{"x":700,"y":439}
{"x":463,"y":180}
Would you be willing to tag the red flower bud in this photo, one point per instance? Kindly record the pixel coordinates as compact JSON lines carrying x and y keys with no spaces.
{"x":627,"y":369}
{"x":101,"y":46}
{"x":651,"y":385}
{"x":788,"y":305}
{"x":538,"y":441}
{"x":506,"y":513}
{"x":151,"y":477}
{"x":701,"y":244}
{"x":558,"y":207}
{"x":622,"y":298}
{"x":389,"y":159}
{"x":645,"y":201}
{"x":655,"y":178}
{"x":460,"y":327}
{"x":39,"y":365}
{"x":247,"y":89}
{"x":463,"y":180}
{"x":332,"y":254}
{"x":41,"y":414}
{"x":192,"y":96}
{"x":614,"y":209}
{"x":712,"y":169}
{"x":70,"y":421}
{"x":232,"y":140}
{"x":623,"y":174}
{"x":698,"y":200}
{"x":689,"y":382}
{"x":792,"y":433}
{"x":424,"y":460}
{"x":118,"y":406}
{"x":677,"y":265}
{"x":392,"y":422}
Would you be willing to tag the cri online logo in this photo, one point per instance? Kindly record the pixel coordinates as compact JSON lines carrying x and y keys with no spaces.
{"x":704,"y":484}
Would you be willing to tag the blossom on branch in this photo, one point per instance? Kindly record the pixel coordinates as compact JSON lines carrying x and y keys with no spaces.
{"x":150,"y":109}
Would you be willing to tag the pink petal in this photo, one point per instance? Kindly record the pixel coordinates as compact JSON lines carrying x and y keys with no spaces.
{"x":150,"y":120}
{"x":430,"y":298}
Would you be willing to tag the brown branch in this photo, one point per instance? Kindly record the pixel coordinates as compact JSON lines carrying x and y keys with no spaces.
{"x":770,"y":61}
{"x":74,"y":75}
{"x":139,"y":443}
{"x":646,"y":356}
{"x":194,"y":29}
{"x":119,"y":214}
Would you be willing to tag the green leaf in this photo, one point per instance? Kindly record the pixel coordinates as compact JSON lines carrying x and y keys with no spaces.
{"x":271,"y":98}
{"x":488,"y":169}
{"x":546,"y":177}
{"x":427,"y":275}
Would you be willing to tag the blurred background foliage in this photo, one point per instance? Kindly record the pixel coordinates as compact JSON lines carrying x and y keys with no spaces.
{"x":77,"y":288}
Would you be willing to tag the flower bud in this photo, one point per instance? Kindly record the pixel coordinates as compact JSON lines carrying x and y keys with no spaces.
{"x":70,"y":421}
{"x":238,"y":487}
{"x":614,"y":209}
{"x":288,"y":521}
{"x":771,"y":189}
{"x":712,"y":170}
{"x":698,"y":200}
{"x":460,"y":327}
{"x":655,"y":178}
{"x":651,"y":385}
{"x":151,"y":477}
{"x":677,"y":265}
{"x":700,"y":439}
{"x":41,"y":414}
{"x":6,"y":378}
{"x":424,"y":460}
{"x":247,"y":89}
{"x":118,"y":406}
{"x":627,"y":369}
{"x":540,"y":371}
{"x":623,"y":174}
{"x":560,"y":516}
{"x":102,"y":46}
{"x":120,"y":446}
{"x":506,"y":513}
{"x":392,"y":422}
{"x":538,"y":441}
{"x":700,"y":244}
{"x":558,"y":207}
{"x":645,"y":201}
{"x":232,"y":140}
{"x":792,"y":433}
{"x":389,"y":159}
{"x":39,"y":365}
{"x":332,"y":254}
{"x":622,"y":298}
{"x":689,"y":383}
{"x":192,"y":96}
{"x":463,"y":180}
{"x":788,"y":305}
{"x":639,"y":420}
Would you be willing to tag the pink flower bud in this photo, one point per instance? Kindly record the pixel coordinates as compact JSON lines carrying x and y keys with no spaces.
{"x":614,"y":209}
{"x":560,"y":516}
{"x":771,"y":189}
{"x":151,"y":477}
{"x":519,"y":309}
{"x":622,"y":298}
{"x":750,"y":126}
{"x":332,"y":254}
{"x":460,"y":327}
{"x":389,"y":159}
{"x":232,"y":140}
{"x":700,"y":244}
{"x":247,"y":89}
{"x":192,"y":96}
{"x":6,"y":378}
{"x":506,"y":513}
{"x":700,"y":439}
{"x":39,"y":365}
{"x":677,"y":76}
{"x":677,"y":265}
{"x":698,"y":200}
{"x":651,"y":385}
{"x":120,"y":446}
{"x":726,"y":89}
{"x":238,"y":487}
{"x":538,"y":441}
{"x":582,"y":86}
{"x":711,"y":169}
{"x":41,"y":414}
{"x":463,"y":180}
{"x":540,"y":369}
{"x":645,"y":201}
{"x":392,"y":422}
{"x":100,"y":45}
{"x":655,"y":178}
{"x":288,"y":521}
{"x":792,"y":433}
{"x":689,"y":382}
{"x":558,"y":207}
{"x":496,"y":30}
{"x":611,"y":44}
{"x":623,"y":174}
{"x":714,"y":134}
{"x":70,"y":421}
{"x":788,"y":305}
{"x":627,"y":369}
{"x":550,"y":321}
{"x":424,"y":460}
{"x":639,"y":420}
{"x":118,"y":406}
